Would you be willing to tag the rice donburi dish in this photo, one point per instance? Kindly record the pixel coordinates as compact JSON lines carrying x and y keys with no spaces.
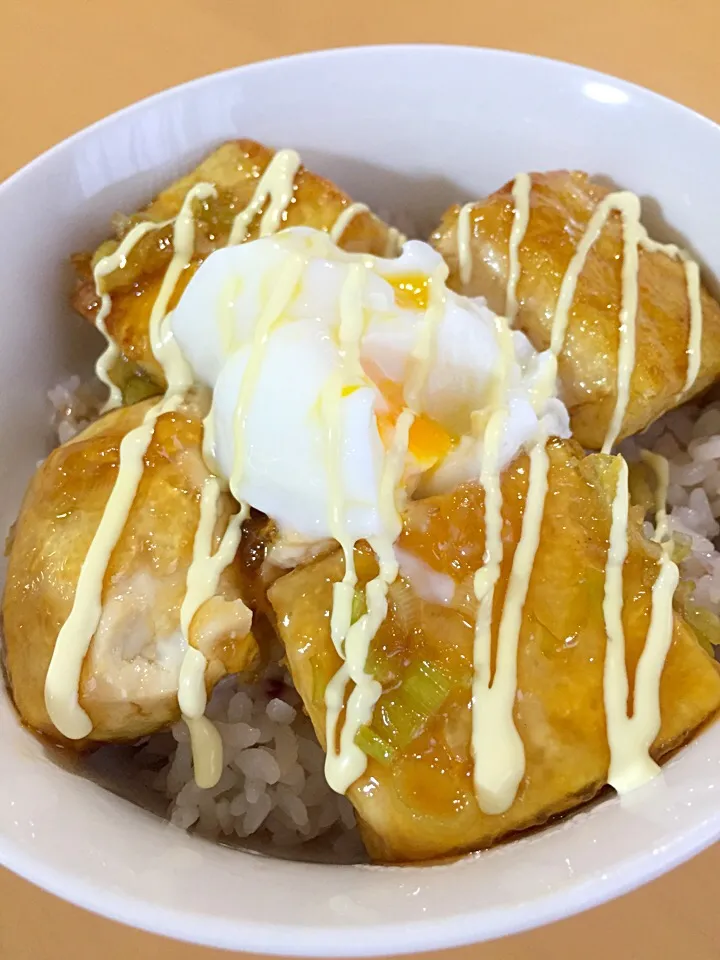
{"x":391,"y":548}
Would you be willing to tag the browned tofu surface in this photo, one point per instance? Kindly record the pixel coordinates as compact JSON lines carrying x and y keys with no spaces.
{"x":129,"y":679}
{"x":419,"y":803}
{"x":234,"y":169}
{"x":561,"y":204}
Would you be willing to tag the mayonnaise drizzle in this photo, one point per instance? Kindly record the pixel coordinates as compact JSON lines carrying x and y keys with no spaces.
{"x":395,"y":240}
{"x":497,"y":749}
{"x":207,"y":751}
{"x":203,"y":578}
{"x":346,"y":762}
{"x":274,"y":191}
{"x":634,"y":236}
{"x":345,"y":219}
{"x":352,"y":325}
{"x":628,"y":205}
{"x":521,"y":189}
{"x":631,"y":737}
{"x":464,"y":250}
{"x":661,"y":469}
{"x":694,"y":290}
{"x":276,"y":185}
{"x":105,"y":266}
{"x":63,"y":677}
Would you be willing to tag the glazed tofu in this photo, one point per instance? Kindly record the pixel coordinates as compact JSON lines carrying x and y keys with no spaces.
{"x":234,"y":169}
{"x":129,"y":681}
{"x":416,"y":800}
{"x":561,"y":205}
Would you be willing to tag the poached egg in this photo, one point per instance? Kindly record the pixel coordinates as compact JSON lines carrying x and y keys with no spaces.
{"x":313,"y":353}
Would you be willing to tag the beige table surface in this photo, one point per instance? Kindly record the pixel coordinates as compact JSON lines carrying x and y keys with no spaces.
{"x":65,"y":63}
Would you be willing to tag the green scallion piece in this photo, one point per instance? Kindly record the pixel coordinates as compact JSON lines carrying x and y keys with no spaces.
{"x":374,"y":746}
{"x":137,"y":389}
{"x":400,"y":722}
{"x":359,"y":605}
{"x":426,"y":686}
{"x":706,"y":625}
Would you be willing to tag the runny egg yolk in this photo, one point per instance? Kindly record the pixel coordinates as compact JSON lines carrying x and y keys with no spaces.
{"x":428,"y":441}
{"x":411,"y":290}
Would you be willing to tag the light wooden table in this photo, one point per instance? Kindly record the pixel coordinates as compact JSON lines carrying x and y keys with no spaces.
{"x":65,"y":63}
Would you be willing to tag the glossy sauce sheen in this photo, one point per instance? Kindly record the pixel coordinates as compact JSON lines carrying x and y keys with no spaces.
{"x":275,"y":189}
{"x":630,"y":738}
{"x":496,"y":746}
{"x":346,"y":762}
{"x":63,"y":676}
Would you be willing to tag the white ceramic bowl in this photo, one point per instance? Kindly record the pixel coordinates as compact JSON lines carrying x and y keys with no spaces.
{"x":407,"y":129}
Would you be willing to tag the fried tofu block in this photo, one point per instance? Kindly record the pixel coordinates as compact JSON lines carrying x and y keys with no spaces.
{"x":561,"y":204}
{"x":417,"y":801}
{"x":234,"y":169}
{"x":129,"y":680}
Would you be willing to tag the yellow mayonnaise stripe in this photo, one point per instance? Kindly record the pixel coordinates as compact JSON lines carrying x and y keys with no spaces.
{"x":464,"y":251}
{"x":345,"y":219}
{"x":694,"y":347}
{"x":423,"y":350}
{"x":276,"y":183}
{"x":103,"y":268}
{"x":395,"y":241}
{"x":498,"y":751}
{"x":491,"y":769}
{"x":521,"y":189}
{"x":615,"y":684}
{"x":630,"y":738}
{"x":694,"y":294}
{"x":73,"y":641}
{"x":274,"y":191}
{"x":203,"y":577}
{"x":351,"y":329}
{"x":343,"y":766}
{"x":662,"y":481}
{"x":207,"y":751}
{"x":629,"y":207}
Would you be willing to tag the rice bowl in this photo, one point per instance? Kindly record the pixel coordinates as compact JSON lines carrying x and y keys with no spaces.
{"x":274,"y":713}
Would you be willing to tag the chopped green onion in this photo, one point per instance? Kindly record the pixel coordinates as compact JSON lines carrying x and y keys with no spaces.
{"x":705,"y":624}
{"x":403,"y":713}
{"x":373,"y":745}
{"x":359,"y":605}
{"x":681,"y":547}
{"x":378,"y":667}
{"x":426,"y":686}
{"x":400,"y":722}
{"x":137,"y":389}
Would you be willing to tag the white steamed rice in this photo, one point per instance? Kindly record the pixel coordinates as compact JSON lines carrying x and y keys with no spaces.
{"x":272,"y":789}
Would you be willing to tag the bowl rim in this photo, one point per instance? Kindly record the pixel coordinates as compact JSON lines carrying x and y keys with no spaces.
{"x":382,"y":938}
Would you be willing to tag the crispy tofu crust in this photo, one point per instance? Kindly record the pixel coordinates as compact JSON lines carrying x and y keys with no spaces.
{"x":561,"y":204}
{"x":234,"y":169}
{"x":123,"y":689}
{"x":421,"y":805}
